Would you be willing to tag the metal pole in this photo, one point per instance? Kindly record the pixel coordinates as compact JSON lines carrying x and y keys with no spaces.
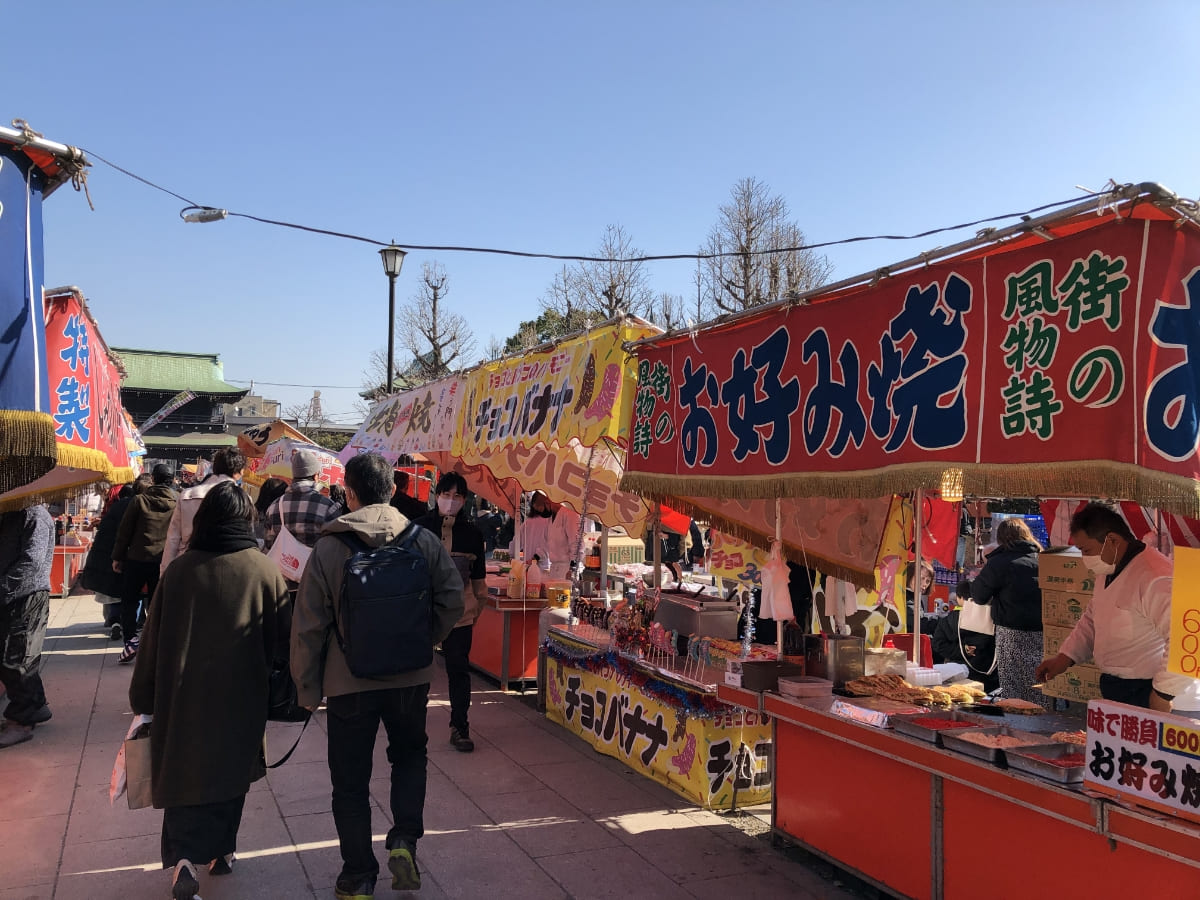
{"x":779,"y":625}
{"x":918,"y":527}
{"x":387,"y":388}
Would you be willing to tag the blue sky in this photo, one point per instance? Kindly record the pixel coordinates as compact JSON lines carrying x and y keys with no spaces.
{"x":533,"y":126}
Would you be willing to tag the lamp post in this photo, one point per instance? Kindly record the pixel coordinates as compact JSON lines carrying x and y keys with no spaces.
{"x":393,"y":259}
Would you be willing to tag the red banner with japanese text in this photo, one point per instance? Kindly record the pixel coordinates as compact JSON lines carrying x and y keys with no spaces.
{"x":90,"y":429}
{"x":85,"y":389}
{"x":1060,"y":367}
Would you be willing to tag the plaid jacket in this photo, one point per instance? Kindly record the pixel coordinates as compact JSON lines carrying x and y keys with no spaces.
{"x":303,"y":509}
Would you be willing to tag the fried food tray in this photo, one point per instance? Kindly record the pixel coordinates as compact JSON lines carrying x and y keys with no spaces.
{"x":913,"y":725}
{"x":994,"y":755}
{"x":1022,"y":759}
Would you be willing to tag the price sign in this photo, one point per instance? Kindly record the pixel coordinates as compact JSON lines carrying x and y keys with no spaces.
{"x":1183,"y":657}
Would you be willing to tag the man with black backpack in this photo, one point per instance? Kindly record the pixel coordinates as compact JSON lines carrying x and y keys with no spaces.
{"x":377,"y":595}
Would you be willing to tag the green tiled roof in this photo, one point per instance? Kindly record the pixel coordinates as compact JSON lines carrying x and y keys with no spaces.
{"x":195,"y":439}
{"x":161,"y":370}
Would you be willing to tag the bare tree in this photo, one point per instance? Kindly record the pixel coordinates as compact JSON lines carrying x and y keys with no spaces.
{"x":439,"y":340}
{"x":763,"y":264}
{"x":308,"y":416}
{"x":603,"y":290}
{"x":668,"y":312}
{"x":493,"y":349}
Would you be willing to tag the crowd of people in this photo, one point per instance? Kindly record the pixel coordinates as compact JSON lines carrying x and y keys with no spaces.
{"x":207,"y":613}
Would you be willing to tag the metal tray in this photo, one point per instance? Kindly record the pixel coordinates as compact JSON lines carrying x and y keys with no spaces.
{"x":988,"y":754}
{"x":1020,"y":759}
{"x":911,"y":725}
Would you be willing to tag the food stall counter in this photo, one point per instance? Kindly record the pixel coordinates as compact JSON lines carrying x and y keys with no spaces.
{"x":505,"y":641}
{"x":950,"y":818}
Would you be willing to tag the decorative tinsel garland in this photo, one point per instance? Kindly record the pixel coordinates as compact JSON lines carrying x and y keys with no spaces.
{"x":690,"y":702}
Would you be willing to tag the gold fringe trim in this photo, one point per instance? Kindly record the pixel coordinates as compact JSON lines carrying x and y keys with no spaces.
{"x":60,"y":492}
{"x":27,"y":447}
{"x":84,"y":458}
{"x":1100,"y":479}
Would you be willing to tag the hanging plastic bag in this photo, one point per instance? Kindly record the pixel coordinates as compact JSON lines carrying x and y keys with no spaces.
{"x":120,"y":777}
{"x":776,"y":602}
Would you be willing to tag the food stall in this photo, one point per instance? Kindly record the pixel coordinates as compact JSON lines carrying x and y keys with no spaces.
{"x":981,"y":370}
{"x":547,"y":420}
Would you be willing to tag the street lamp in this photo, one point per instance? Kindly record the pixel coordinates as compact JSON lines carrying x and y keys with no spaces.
{"x":393,"y":259}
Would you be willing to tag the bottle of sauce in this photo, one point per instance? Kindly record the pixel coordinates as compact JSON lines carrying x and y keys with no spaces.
{"x":516,"y":578}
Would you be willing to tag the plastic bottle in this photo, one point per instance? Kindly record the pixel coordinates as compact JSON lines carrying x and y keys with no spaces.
{"x":516,"y":578}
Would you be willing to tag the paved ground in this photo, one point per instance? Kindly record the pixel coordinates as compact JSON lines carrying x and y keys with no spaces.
{"x":533,"y":813}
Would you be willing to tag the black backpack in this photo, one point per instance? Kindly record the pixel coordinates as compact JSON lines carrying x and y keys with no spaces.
{"x":386,"y":610}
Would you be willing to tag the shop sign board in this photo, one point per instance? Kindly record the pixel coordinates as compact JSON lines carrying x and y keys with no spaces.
{"x":416,"y":421}
{"x":736,"y":560}
{"x":1183,"y":651}
{"x":1144,"y":757}
{"x":696,"y":757}
{"x":85,"y":386}
{"x":1000,"y":362}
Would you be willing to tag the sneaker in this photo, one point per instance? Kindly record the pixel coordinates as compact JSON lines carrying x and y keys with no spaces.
{"x":460,"y":738}
{"x":185,"y":886}
{"x":42,"y":715}
{"x":114,"y":631}
{"x":348,"y":888}
{"x":130,"y":651}
{"x":222,"y":865}
{"x":402,"y":863}
{"x":13,"y":733}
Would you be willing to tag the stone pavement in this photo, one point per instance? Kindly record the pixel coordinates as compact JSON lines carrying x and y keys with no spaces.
{"x":532,"y":813}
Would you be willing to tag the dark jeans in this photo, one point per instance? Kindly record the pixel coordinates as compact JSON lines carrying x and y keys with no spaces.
{"x":201,"y":833}
{"x":456,"y":647}
{"x":22,"y":633}
{"x":134,"y":575}
{"x":1134,"y":691}
{"x":352,"y":724}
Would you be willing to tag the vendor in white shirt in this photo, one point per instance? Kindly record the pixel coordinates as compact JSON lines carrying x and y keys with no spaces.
{"x":1126,"y":626}
{"x":548,"y":539}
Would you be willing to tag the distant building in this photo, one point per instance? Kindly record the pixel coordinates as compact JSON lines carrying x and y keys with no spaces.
{"x":197,"y":429}
{"x":250,"y":410}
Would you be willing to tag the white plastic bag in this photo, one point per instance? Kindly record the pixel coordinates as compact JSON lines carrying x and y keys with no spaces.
{"x":289,"y":554}
{"x":119,"y":781}
{"x":776,"y":601}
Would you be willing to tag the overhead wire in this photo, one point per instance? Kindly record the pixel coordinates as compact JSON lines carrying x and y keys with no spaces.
{"x":570,"y":257}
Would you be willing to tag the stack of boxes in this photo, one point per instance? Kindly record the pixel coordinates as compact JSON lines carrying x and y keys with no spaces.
{"x":1066,"y":585}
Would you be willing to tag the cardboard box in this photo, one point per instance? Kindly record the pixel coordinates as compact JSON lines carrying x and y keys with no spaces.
{"x":1064,"y":572}
{"x":1063,"y":607}
{"x":1079,"y":683}
{"x":1053,"y":637}
{"x":625,"y":550}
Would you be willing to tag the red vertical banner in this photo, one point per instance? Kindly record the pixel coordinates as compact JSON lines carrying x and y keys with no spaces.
{"x":85,"y":389}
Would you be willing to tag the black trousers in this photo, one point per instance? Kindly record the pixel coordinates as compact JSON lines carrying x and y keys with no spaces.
{"x":22,"y":633}
{"x":352,"y":724}
{"x":456,"y":648}
{"x":135,"y":574}
{"x":1134,"y":691}
{"x":201,"y":833}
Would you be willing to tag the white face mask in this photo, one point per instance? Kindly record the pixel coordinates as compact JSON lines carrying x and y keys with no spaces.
{"x":1097,"y":564}
{"x":449,"y":506}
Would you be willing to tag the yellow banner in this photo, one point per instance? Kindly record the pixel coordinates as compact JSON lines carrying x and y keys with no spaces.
{"x":697,"y":758}
{"x":1183,"y":656}
{"x":580,"y":389}
{"x":562,"y":473}
{"x":736,"y":560}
